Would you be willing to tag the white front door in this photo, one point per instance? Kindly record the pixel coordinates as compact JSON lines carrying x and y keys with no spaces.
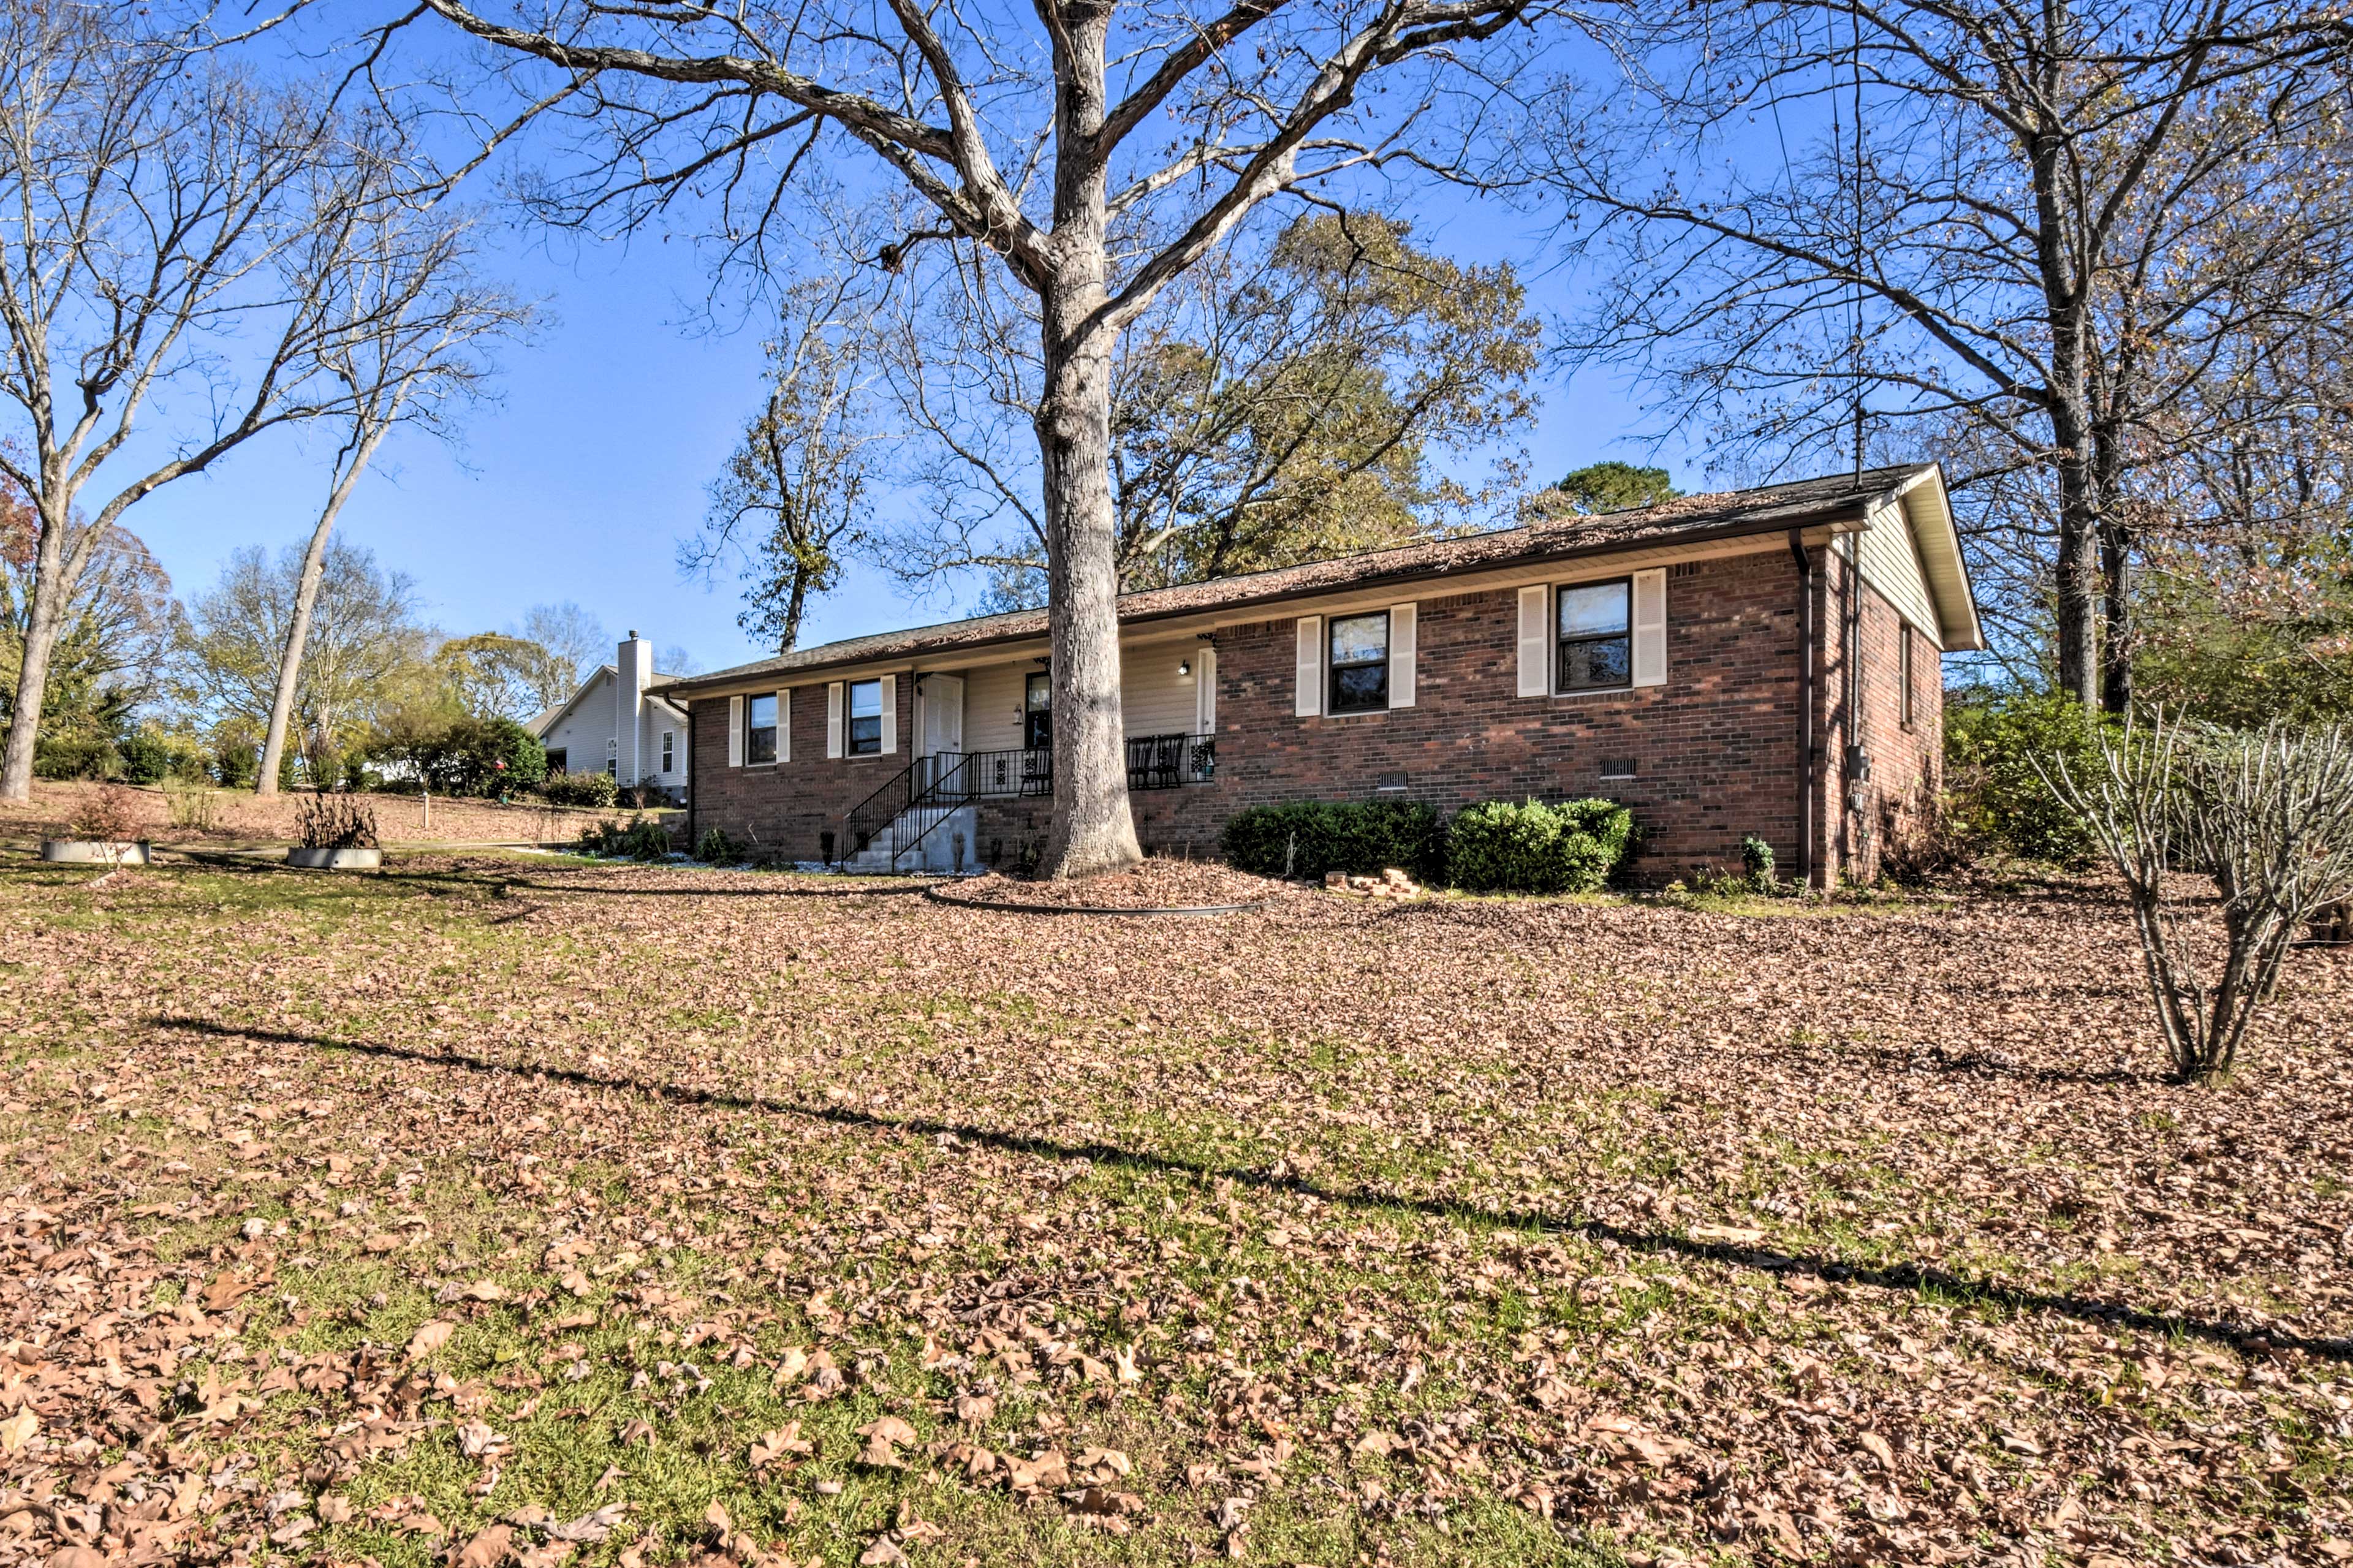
{"x":943,"y":714}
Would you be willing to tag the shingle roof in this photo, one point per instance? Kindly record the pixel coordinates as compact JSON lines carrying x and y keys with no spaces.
{"x":1721,"y":513}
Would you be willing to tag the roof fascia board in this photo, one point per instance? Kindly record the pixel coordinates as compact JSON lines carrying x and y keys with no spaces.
{"x":1928,"y":511}
{"x":1752,"y":537}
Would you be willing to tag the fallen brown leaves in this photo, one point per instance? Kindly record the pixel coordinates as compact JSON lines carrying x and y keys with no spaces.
{"x":1869,"y":1238}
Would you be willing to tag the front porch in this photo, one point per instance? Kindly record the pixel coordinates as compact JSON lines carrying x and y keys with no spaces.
{"x":911,"y":821}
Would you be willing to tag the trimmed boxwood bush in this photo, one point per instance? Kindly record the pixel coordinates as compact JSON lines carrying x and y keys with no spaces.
{"x":643,"y":839}
{"x":597,"y":790}
{"x":1532,"y":848}
{"x":1311,"y":838}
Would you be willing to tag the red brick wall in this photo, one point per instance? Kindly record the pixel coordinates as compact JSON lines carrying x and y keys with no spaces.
{"x":1906,"y":760}
{"x":1715,"y":750}
{"x":785,"y":808}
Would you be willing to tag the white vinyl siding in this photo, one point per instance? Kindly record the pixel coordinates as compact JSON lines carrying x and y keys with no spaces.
{"x":1154,"y":700}
{"x":582,"y":732}
{"x":1402,"y":655}
{"x":1309,"y":668}
{"x":992,"y":707}
{"x":1890,"y":560}
{"x":1535,"y":641}
{"x":1651,"y":629}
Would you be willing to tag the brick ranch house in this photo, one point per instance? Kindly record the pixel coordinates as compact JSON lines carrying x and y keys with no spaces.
{"x":1767,"y":661}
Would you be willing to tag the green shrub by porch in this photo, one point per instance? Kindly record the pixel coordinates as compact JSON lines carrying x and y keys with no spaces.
{"x":1313,"y":838}
{"x":1532,"y":848}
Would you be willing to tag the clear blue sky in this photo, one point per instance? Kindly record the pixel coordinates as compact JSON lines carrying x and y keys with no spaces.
{"x":580,"y":482}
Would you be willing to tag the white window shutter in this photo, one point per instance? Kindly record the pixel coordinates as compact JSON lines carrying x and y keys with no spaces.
{"x":889,"y":715}
{"x":1402,"y":655}
{"x":1205,"y":692}
{"x":784,"y":726}
{"x":1535,"y":648}
{"x":833,"y":720}
{"x":734,"y":731}
{"x":1651,"y":629}
{"x":1309,"y":701}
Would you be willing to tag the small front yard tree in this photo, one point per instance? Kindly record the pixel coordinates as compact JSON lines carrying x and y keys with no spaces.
{"x":1099,"y":154}
{"x":2268,"y":813}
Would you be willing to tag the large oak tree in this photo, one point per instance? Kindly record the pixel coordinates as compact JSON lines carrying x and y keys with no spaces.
{"x":1097,"y":153}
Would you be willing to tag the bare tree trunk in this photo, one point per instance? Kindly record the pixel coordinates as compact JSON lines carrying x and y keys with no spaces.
{"x":795,"y":608}
{"x":1093,"y":830}
{"x":2078,"y":585}
{"x":45,"y":619}
{"x":2115,"y":641}
{"x":2070,"y":405}
{"x":306,"y":598}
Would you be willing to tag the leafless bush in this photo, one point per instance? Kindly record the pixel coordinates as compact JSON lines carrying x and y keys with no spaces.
{"x":110,"y":815}
{"x":2268,"y":813}
{"x":1922,"y":838}
{"x":335,"y":822}
{"x":192,"y":807}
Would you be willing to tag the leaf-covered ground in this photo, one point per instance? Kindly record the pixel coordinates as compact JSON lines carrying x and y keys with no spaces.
{"x":495,"y":1211}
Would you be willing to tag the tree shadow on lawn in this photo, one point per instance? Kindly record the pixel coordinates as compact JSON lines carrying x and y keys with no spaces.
{"x":1913,"y":1277}
{"x":1938,"y":1062}
{"x":508,"y":886}
{"x":492,"y":883}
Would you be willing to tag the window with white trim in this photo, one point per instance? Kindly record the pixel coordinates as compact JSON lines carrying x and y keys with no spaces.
{"x":1594,"y":635}
{"x":865,"y":735}
{"x":1357,"y":663}
{"x":759,"y":731}
{"x":1904,"y":678}
{"x":668,"y":741}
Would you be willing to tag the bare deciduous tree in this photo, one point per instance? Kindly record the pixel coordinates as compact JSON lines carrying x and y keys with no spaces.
{"x":1281,"y":404}
{"x":793,"y":500}
{"x":1098,"y":160}
{"x":368,"y":652}
{"x":494,"y":676}
{"x":411,"y":322}
{"x":161,"y":210}
{"x":573,"y":636}
{"x":2010,"y":235}
{"x":2268,"y":813}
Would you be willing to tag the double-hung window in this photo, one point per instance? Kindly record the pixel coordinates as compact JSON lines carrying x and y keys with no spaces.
{"x":759,"y":731}
{"x":1038,"y":711}
{"x":1595,"y":636}
{"x":1358,"y":663}
{"x":865,"y":736}
{"x":669,"y":749}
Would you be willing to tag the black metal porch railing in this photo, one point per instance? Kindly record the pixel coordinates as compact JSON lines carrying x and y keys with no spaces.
{"x":885,"y":806}
{"x":1170,"y":761}
{"x":917,"y":800}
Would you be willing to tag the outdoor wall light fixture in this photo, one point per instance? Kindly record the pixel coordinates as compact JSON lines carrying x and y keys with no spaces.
{"x":1184,"y":667}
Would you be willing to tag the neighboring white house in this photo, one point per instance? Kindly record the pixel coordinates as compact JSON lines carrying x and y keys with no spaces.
{"x":618,"y":724}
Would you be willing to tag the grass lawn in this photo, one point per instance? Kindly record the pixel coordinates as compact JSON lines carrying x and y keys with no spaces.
{"x":522,"y":1210}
